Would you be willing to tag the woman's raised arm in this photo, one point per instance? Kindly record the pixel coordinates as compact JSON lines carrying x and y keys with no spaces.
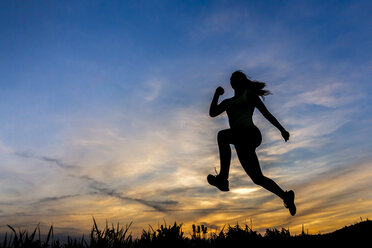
{"x":215,"y":108}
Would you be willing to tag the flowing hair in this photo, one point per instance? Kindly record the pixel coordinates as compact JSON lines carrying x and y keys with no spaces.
{"x":240,"y":80}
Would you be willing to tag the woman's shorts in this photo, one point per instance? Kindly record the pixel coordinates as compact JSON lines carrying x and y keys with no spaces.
{"x":250,"y":136}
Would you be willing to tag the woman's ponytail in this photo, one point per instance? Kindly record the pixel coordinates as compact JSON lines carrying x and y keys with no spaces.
{"x":240,"y":80}
{"x":257,"y":88}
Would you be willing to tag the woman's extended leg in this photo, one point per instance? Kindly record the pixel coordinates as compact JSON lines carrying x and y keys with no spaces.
{"x":248,"y":159}
{"x":224,"y":139}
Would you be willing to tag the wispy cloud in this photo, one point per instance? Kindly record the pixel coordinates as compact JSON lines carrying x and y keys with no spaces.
{"x":54,"y":161}
{"x":151,"y":90}
{"x":104,"y":189}
{"x":328,"y":94}
{"x":94,"y":184}
{"x":54,"y":198}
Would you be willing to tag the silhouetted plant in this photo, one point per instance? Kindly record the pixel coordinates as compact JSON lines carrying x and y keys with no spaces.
{"x":164,"y":236}
{"x":110,"y":237}
{"x":173,"y":236}
{"x":237,"y":234}
{"x":275,"y":234}
{"x":199,"y":232}
{"x":23,"y":239}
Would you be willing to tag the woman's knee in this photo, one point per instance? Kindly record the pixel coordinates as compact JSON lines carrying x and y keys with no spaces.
{"x":259,"y":180}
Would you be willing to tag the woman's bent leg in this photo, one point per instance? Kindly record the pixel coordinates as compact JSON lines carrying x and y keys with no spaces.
{"x":224,"y":138}
{"x":248,"y":159}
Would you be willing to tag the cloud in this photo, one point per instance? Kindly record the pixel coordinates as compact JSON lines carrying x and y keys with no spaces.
{"x":102,"y":188}
{"x":341,"y":191}
{"x":55,"y":161}
{"x":330,"y":94}
{"x":55,"y":198}
{"x":148,"y":91}
{"x":325,"y":201}
{"x":154,"y":89}
{"x":308,"y":132}
{"x":93,"y":184}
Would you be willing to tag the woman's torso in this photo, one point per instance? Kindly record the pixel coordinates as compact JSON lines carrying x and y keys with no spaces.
{"x":240,"y":111}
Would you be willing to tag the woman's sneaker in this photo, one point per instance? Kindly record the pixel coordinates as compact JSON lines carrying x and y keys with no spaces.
{"x":221,"y":184}
{"x":289,"y":202}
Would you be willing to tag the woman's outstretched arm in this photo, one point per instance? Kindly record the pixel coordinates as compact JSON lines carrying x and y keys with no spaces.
{"x":262,"y":108}
{"x":215,"y":108}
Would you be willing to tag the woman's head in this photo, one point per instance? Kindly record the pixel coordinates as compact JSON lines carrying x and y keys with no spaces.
{"x":239,"y":81}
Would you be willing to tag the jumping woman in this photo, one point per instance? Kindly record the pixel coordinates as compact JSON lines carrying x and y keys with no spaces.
{"x":244,"y":135}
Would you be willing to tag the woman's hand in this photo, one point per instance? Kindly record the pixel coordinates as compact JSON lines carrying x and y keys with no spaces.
{"x":285,"y":135}
{"x":219,"y":91}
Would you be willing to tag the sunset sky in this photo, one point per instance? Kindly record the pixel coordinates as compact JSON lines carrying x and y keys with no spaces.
{"x":104,"y":112}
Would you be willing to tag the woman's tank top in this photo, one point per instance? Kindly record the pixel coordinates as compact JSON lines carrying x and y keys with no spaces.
{"x":240,"y":111}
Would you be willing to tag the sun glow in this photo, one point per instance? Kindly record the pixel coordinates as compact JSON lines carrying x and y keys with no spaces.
{"x":243,"y":191}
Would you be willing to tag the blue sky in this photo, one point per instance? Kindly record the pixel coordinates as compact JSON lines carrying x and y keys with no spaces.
{"x":104,"y":106}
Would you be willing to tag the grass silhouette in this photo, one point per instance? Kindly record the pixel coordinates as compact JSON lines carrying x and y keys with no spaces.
{"x":173,"y":236}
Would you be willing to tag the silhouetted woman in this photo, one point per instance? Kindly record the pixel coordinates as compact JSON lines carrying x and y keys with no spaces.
{"x":244,"y":135}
